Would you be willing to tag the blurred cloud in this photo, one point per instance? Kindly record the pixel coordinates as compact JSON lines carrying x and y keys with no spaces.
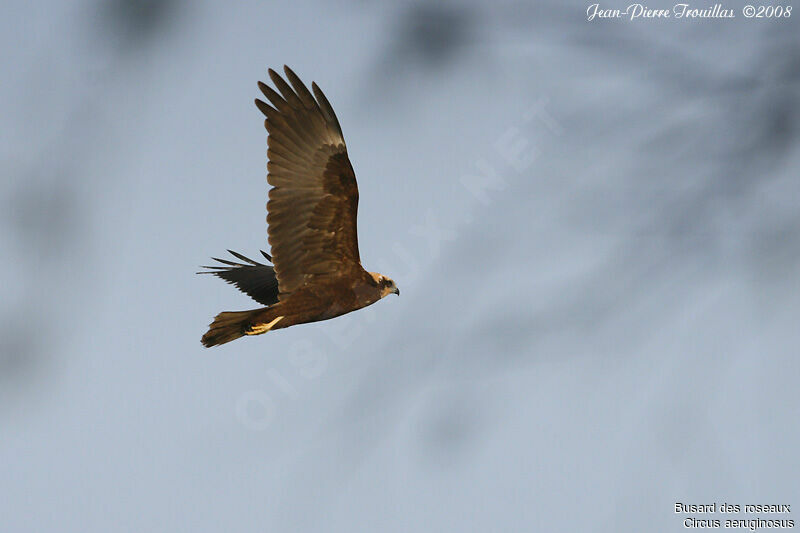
{"x":432,"y":35}
{"x":136,"y":23}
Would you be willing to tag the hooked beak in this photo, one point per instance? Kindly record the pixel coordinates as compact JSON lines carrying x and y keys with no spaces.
{"x":396,"y":291}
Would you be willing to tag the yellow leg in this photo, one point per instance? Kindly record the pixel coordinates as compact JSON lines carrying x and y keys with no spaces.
{"x":263,"y":328}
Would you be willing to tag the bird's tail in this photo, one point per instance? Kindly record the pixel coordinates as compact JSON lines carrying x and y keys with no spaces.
{"x":228,"y":326}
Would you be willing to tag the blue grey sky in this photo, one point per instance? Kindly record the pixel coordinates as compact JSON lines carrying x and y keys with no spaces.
{"x":594,"y":226}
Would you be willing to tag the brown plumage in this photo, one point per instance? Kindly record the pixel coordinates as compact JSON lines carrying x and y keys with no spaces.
{"x":316,"y":272}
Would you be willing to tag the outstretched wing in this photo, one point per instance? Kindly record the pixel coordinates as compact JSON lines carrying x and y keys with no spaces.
{"x":314,"y":197}
{"x":255,"y":279}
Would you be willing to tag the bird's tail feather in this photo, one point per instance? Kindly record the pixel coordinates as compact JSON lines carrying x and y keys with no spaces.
{"x":228,"y":326}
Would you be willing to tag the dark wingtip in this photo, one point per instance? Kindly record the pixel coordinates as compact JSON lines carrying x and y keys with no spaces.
{"x":243,"y":258}
{"x":226,"y":262}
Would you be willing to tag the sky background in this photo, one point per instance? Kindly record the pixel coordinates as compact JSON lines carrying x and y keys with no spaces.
{"x":595,"y":227}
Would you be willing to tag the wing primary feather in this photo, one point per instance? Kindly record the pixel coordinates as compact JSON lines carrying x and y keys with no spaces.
{"x":274,"y":98}
{"x":265,"y":108}
{"x":288,"y":94}
{"x":243,"y":258}
{"x":300,"y":88}
{"x":266,"y":255}
{"x":226,"y":262}
{"x":326,"y":108}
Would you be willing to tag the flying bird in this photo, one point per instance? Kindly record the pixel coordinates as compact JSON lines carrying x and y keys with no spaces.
{"x":316,"y":271}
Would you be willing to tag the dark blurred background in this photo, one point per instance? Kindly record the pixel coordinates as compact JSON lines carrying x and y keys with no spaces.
{"x":594,"y":226}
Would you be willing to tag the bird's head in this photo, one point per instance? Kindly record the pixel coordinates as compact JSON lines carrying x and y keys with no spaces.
{"x":386,"y":285}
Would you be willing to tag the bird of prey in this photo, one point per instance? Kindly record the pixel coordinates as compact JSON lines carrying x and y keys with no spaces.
{"x":316,"y":271}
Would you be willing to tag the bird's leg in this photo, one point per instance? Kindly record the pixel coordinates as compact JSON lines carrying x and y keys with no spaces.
{"x":258,"y":329}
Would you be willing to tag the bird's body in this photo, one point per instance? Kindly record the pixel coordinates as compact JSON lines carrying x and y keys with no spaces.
{"x":308,"y":304}
{"x":317,"y":272}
